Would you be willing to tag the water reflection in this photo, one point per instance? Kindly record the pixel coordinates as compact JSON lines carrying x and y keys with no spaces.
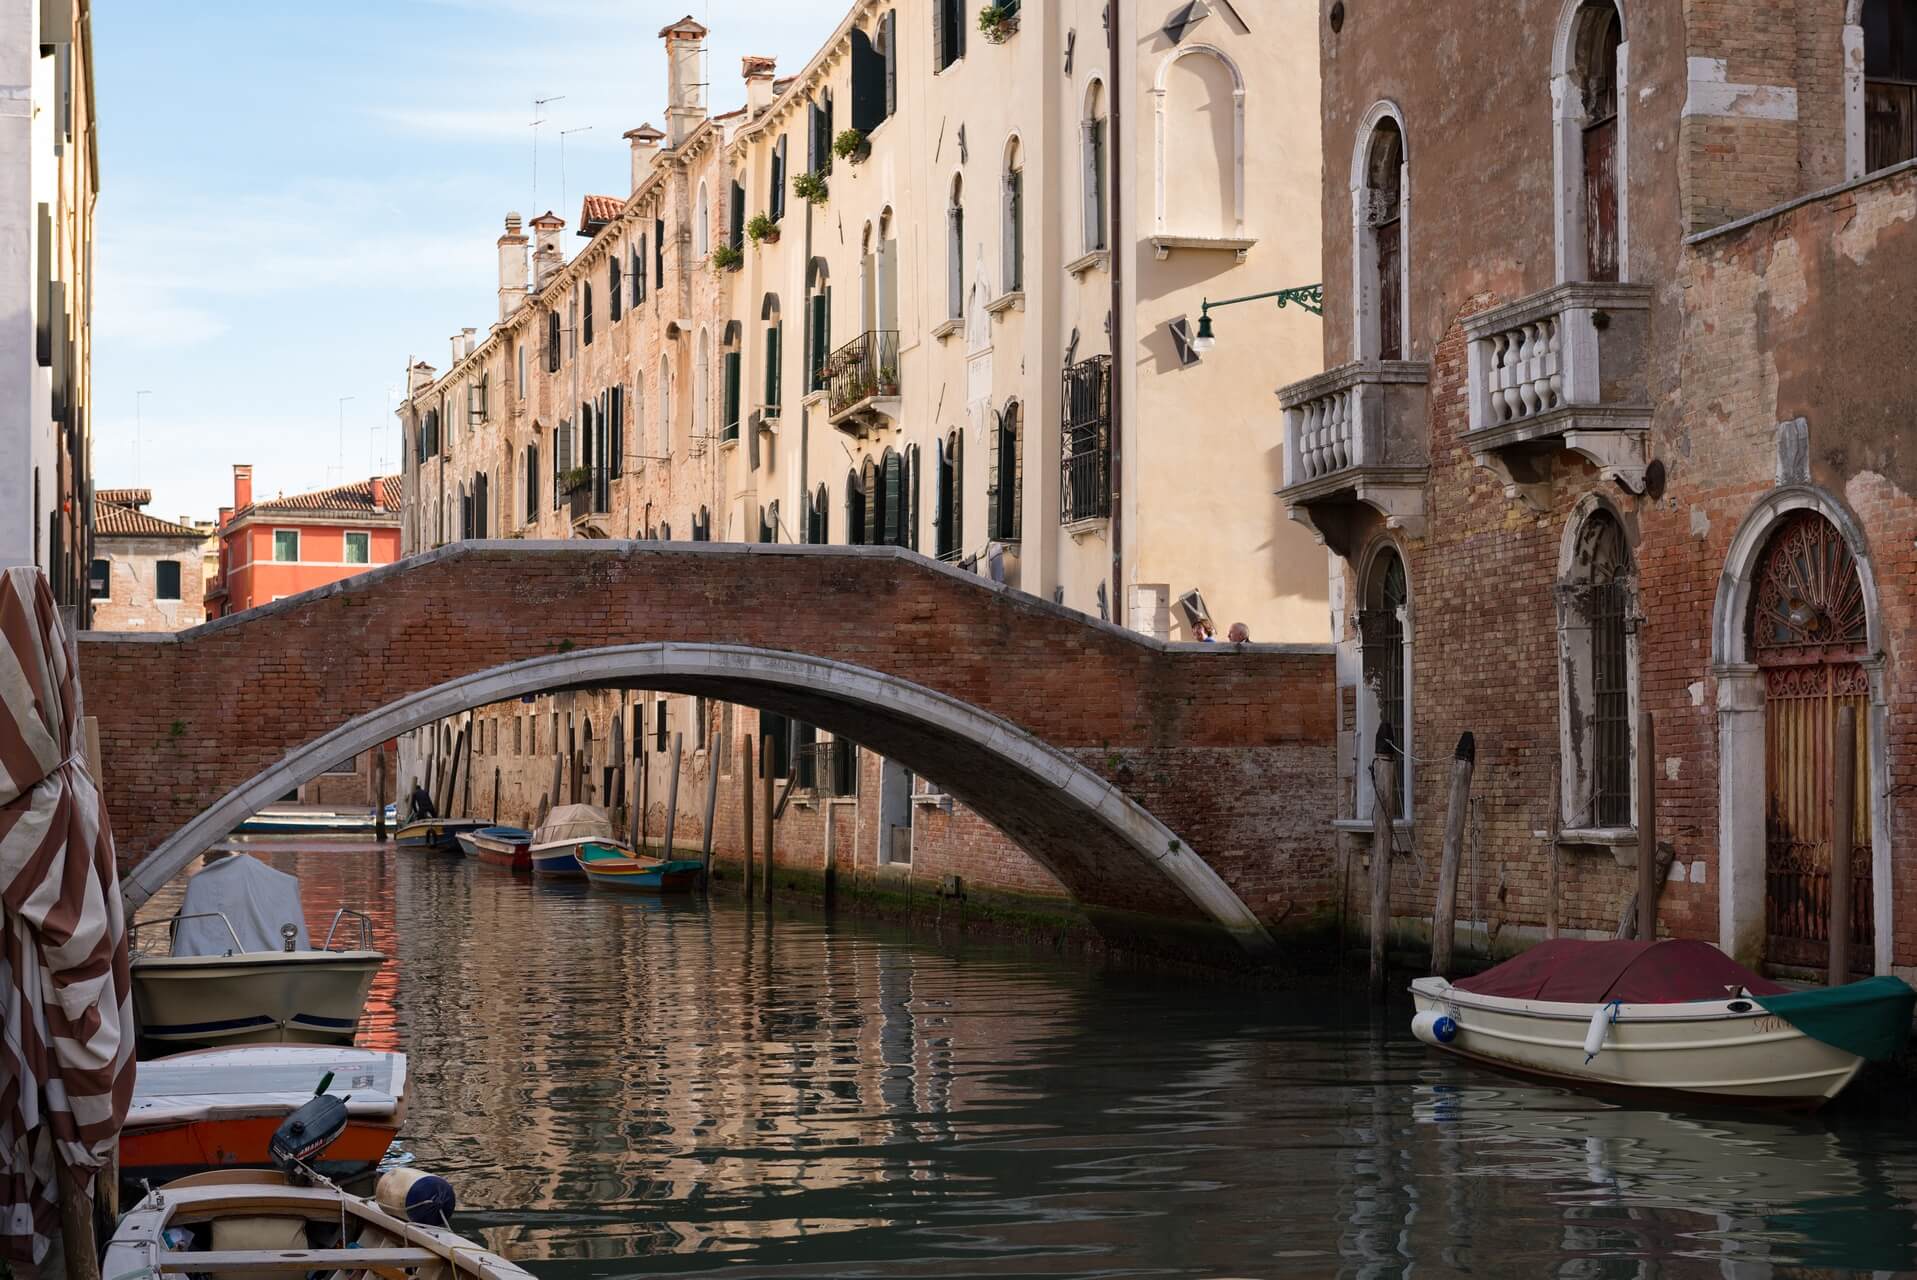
{"x":628,"y":1087}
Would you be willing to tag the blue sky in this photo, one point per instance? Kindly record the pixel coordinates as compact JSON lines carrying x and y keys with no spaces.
{"x":297,"y":197}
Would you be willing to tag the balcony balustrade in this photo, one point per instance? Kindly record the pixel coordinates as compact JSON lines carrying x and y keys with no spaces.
{"x":863,"y":381}
{"x":589,"y":499}
{"x":1564,"y":369}
{"x":1355,"y":436}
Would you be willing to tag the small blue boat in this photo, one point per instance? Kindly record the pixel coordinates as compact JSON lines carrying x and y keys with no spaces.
{"x":613,"y":867}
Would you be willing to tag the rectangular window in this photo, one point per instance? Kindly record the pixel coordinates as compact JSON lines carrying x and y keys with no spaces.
{"x":732,"y":396}
{"x":100,"y":580}
{"x":166,"y":580}
{"x":777,"y":201}
{"x":519,"y":354}
{"x":359,"y":548}
{"x":659,"y":726}
{"x":286,"y":545}
{"x":773,"y":391}
{"x":1085,"y":488}
{"x":659,"y":253}
{"x":948,"y":32}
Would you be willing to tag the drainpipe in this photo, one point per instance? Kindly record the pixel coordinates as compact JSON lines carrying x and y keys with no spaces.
{"x":1117,"y":433}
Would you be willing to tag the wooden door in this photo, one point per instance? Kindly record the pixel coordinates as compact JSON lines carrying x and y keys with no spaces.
{"x":1600,"y":200}
{"x":1391,"y":290}
{"x":1808,"y":634}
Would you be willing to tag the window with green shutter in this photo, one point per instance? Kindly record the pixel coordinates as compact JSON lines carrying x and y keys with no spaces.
{"x":732,"y":395}
{"x":286,"y":545}
{"x":359,"y":548}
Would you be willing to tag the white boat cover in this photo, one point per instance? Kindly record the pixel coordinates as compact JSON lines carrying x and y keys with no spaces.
{"x":250,"y":1079}
{"x":574,"y":822}
{"x":255,"y":899}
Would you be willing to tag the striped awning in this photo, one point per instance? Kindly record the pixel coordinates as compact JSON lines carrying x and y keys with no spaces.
{"x":66,"y":1061}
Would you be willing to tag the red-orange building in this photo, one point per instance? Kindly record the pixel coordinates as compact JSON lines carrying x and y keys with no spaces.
{"x":283,"y":546}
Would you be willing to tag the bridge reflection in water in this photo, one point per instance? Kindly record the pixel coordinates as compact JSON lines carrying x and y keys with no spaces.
{"x":677,"y":1088}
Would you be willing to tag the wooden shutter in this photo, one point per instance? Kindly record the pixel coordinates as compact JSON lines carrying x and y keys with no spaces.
{"x":618,"y":442}
{"x":778,"y":179}
{"x":1094,"y":178}
{"x":889,"y":26}
{"x":913,"y":468}
{"x":812,"y":136}
{"x":639,"y":271}
{"x":772,"y":356}
{"x":958,"y":493}
{"x":612,"y":285}
{"x":1014,"y":233}
{"x":955,"y":277}
{"x":659,"y":253}
{"x":868,"y":83}
{"x":532,"y":483}
{"x":732,"y":392}
{"x":939,"y":62}
{"x":894,"y":497}
{"x":735,"y":235}
{"x":821,"y":317}
{"x":872,"y":496}
{"x":587,"y":321}
{"x":995,"y":442}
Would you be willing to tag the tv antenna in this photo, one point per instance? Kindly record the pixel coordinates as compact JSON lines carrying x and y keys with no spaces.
{"x":539,"y":105}
{"x":584,"y":128}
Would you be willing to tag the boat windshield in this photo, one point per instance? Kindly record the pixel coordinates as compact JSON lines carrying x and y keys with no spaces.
{"x":254,"y":899}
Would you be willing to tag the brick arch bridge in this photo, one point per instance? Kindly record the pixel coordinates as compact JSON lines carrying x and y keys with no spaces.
{"x":1182,"y":793}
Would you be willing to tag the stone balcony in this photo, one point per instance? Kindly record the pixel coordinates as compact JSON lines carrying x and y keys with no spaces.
{"x":1565,"y":369}
{"x":1354,"y":436}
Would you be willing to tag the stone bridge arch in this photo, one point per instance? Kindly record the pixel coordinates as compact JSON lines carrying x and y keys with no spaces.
{"x":1182,"y":793}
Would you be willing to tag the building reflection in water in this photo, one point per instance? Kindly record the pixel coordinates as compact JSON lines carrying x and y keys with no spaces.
{"x":672,"y":1086}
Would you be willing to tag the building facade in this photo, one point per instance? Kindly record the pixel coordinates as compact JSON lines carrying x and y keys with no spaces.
{"x":49,"y":182}
{"x":147,"y":573}
{"x":938,"y":290}
{"x":284,"y":545}
{"x":1616,"y":418}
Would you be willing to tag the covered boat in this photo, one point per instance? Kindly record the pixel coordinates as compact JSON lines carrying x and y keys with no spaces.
{"x":1676,"y":1016}
{"x":614,"y":867}
{"x":219,"y":1108}
{"x":501,"y":846}
{"x":567,"y":830}
{"x":302,"y":821}
{"x":242,"y":969}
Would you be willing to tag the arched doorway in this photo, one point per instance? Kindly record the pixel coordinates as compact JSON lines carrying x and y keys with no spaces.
{"x":1808,"y":636}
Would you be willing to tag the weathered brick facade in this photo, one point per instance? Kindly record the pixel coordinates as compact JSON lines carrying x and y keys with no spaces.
{"x":1775,"y":378}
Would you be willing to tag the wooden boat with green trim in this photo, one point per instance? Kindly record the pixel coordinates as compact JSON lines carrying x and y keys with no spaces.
{"x":610,"y":866}
{"x":1671,"y":1017}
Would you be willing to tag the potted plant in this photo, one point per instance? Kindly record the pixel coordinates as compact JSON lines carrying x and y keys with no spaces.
{"x":998,"y":22}
{"x":809,"y":186}
{"x":851,"y":146}
{"x":726,"y":258}
{"x":762,"y":230}
{"x":571,"y":482}
{"x":888,"y":381}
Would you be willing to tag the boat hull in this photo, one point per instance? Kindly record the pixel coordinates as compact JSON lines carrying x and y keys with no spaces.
{"x":293,"y":997}
{"x":503,"y":851}
{"x":557,"y":862}
{"x":280,"y":824}
{"x":1729,"y":1051}
{"x":631,"y":875}
{"x":440,"y":835}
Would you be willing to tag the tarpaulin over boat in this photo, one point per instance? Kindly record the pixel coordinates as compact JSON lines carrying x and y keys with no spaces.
{"x":255,"y":899}
{"x":574,"y":822}
{"x":1568,"y":971}
{"x":1870,"y":1018}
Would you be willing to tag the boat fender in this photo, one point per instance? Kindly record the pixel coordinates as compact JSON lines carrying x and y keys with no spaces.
{"x":425,"y":1198}
{"x":1436,"y":1029}
{"x":1600,"y":1027}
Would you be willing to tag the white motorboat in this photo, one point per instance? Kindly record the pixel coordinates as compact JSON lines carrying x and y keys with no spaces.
{"x":567,"y":830}
{"x":242,"y":970}
{"x":1674,"y":1016}
{"x":260,"y":1222}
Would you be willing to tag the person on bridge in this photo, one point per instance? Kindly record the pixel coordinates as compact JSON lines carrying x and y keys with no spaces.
{"x":1205,"y":633}
{"x":1239,"y":633}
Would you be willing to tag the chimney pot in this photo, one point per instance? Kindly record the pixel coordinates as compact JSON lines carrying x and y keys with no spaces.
{"x":758,"y":81}
{"x":512,"y":267}
{"x":379,"y":493}
{"x":242,"y":485}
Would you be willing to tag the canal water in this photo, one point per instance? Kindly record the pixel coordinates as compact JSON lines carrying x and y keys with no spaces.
{"x":665,"y":1088}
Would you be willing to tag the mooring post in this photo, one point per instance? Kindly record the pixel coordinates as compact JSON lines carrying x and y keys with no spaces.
{"x":558,"y":773}
{"x":1843,"y":810}
{"x":1553,"y":827}
{"x":712,"y":810}
{"x":1647,"y":879}
{"x":745,"y":791}
{"x":1444,"y":921}
{"x":1384,"y":806}
{"x":379,"y":794}
{"x":452,"y":776}
{"x":765,"y":789}
{"x":672,"y":797}
{"x":831,"y":855}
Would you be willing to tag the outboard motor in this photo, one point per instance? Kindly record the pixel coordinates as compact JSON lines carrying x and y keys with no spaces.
{"x":306,"y":1133}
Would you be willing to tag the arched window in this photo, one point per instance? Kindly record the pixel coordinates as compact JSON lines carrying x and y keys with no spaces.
{"x":482,"y":506}
{"x":1597,"y":600}
{"x":1200,"y":98}
{"x":1004,"y":478}
{"x":586,"y":292}
{"x":1014,"y":251}
{"x":1378,"y":215}
{"x":891,"y":530}
{"x":1386,"y":701}
{"x":949,"y":495}
{"x":731,"y":369}
{"x":1890,"y":83}
{"x":1590,"y":103}
{"x":855,"y":489}
{"x":553,"y":347}
{"x":817,"y":526}
{"x":612,"y":285}
{"x":955,"y":250}
{"x":818,"y":325}
{"x":702,"y":224}
{"x":1094,"y":167}
{"x":532,"y":483}
{"x":774,"y":354}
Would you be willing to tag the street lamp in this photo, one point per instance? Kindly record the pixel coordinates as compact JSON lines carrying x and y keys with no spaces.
{"x":1309,"y":297}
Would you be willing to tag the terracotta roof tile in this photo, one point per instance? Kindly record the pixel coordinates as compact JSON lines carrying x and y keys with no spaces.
{"x":113,"y":521}
{"x":599,"y":210}
{"x":346,"y":497}
{"x":135,"y":498}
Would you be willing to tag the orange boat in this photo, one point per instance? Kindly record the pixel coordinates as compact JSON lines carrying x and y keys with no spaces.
{"x":219,"y":1109}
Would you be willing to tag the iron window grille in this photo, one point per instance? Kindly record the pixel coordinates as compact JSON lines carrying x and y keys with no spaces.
{"x":1085,"y":440}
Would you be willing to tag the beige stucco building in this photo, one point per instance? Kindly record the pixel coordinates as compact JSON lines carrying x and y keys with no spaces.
{"x":937,"y":290}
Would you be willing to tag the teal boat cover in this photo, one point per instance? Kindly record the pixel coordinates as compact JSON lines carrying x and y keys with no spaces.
{"x":1870,"y":1018}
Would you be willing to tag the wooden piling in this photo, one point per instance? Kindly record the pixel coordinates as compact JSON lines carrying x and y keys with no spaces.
{"x":712,"y":809}
{"x":1647,"y":877}
{"x":452,"y":776}
{"x":1444,"y":921}
{"x":1553,"y":827}
{"x":831,"y":856}
{"x":745,"y":790}
{"x":1843,"y":808}
{"x":558,"y":773}
{"x":632,"y":793}
{"x":472,"y":735}
{"x":379,"y":794}
{"x":1384,"y":806}
{"x":765,"y":790}
{"x":496,"y":773}
{"x":76,"y":1225}
{"x":645,"y":802}
{"x":672,"y":796}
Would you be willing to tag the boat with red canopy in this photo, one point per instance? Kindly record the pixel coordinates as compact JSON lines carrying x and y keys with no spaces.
{"x":1673,"y":1016}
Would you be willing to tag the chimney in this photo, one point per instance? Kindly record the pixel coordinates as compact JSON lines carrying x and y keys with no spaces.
{"x":379,"y":493}
{"x":242,"y":485}
{"x":419,"y":377}
{"x":758,"y":82}
{"x":685,"y":73}
{"x":645,"y":152}
{"x":548,"y":257}
{"x":458,"y":341}
{"x":512,"y":267}
{"x":226,"y":514}
{"x":471,"y":343}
